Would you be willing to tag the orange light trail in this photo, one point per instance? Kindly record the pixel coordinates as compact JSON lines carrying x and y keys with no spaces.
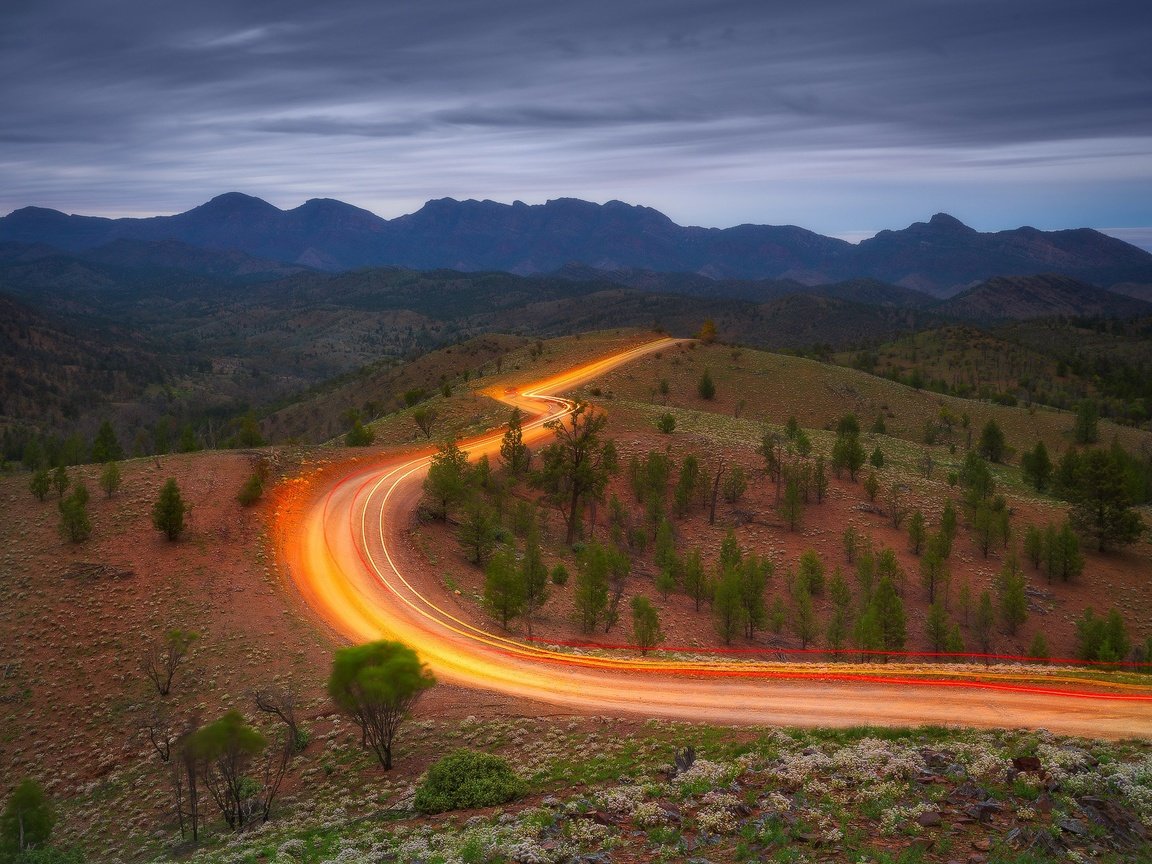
{"x":348,"y":553}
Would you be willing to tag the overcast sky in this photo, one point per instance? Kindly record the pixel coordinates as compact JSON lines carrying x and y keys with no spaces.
{"x":843,"y":117}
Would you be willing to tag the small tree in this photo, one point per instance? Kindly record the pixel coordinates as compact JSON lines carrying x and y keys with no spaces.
{"x":707,"y":333}
{"x":936,"y":627}
{"x":792,"y":505}
{"x":28,"y":818}
{"x":377,"y":684}
{"x":105,"y":447}
{"x":984,"y":623}
{"x":164,"y":657}
{"x":992,"y":444}
{"x":735,"y":485}
{"x":110,"y":479}
{"x":645,"y":625}
{"x":168,"y":511}
{"x":871,"y":486}
{"x":40,"y":484}
{"x":447,"y":480}
{"x":74,"y":523}
{"x":359,"y":435}
{"x":60,"y":481}
{"x":889,"y":610}
{"x":706,"y":387}
{"x":424,"y":416}
{"x":576,"y":466}
{"x":591,"y":586}
{"x":697,"y":585}
{"x":533,"y":574}
{"x":1085,"y":430}
{"x":877,"y":458}
{"x":726,"y":607}
{"x":503,"y":589}
{"x":280,"y":702}
{"x":225,"y":749}
{"x":934,"y":569}
{"x":917,"y":532}
{"x":514,"y":453}
{"x":1036,"y":466}
{"x":1013,"y":600}
{"x":251,"y":491}
{"x":666,"y":423}
{"x":478,"y":532}
{"x":1039,"y":648}
{"x":804,"y":616}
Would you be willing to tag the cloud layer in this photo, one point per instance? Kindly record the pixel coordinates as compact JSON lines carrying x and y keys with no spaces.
{"x":840,"y":116}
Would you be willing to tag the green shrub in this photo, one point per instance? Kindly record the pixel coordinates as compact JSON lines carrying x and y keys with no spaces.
{"x":251,"y":491}
{"x":465,"y":779}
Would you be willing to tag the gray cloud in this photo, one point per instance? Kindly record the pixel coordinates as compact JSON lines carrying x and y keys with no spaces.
{"x":720,"y":112}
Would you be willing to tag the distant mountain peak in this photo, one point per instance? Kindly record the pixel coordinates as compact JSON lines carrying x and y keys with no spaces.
{"x":235,"y":202}
{"x":945,"y":221}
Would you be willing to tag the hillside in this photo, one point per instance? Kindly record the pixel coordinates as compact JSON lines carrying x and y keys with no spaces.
{"x":940,"y":257}
{"x":1047,"y":296}
{"x":594,"y":784}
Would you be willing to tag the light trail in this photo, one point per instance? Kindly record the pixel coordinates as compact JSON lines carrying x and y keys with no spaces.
{"x":351,"y":558}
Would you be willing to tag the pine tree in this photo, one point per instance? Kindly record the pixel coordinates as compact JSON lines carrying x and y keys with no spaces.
{"x":168,"y":511}
{"x":446,"y":482}
{"x":889,"y":610}
{"x":478,"y":532}
{"x":706,"y":387}
{"x":40,"y":484}
{"x":804,"y":616}
{"x":936,"y":627}
{"x":1037,"y":466}
{"x":992,"y":444}
{"x":754,"y":574}
{"x":934,"y":569}
{"x":514,"y":453}
{"x":1039,"y":648}
{"x":591,"y":587}
{"x":792,"y":505}
{"x":726,"y":606}
{"x":1013,"y":599}
{"x":74,"y":523}
{"x":105,"y":447}
{"x":696,"y":582}
{"x":645,"y":625}
{"x":110,"y":479}
{"x":503,"y":589}
{"x":917,"y":532}
{"x":984,"y":623}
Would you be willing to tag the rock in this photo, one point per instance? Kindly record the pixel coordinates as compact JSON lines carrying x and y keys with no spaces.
{"x":929,"y":819}
{"x":1074,"y":826}
{"x":1027,"y":764}
{"x":982,"y":844}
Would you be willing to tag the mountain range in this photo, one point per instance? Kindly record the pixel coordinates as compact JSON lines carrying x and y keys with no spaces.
{"x":941,"y":257}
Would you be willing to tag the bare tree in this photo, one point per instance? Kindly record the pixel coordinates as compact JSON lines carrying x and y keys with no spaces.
{"x":164,"y":657}
{"x":161,"y":732}
{"x":281,"y":702}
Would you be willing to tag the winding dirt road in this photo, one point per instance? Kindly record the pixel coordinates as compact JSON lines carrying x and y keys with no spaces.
{"x":351,"y":557}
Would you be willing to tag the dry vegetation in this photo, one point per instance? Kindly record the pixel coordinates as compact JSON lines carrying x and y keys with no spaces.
{"x":78,"y":618}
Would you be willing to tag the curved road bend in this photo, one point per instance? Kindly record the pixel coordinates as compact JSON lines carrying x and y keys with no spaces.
{"x":351,"y":559}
